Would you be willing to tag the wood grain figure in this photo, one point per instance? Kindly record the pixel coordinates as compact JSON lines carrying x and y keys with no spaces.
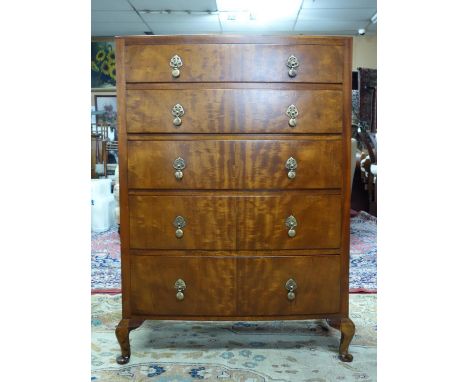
{"x":234,"y":184}
{"x":227,"y":110}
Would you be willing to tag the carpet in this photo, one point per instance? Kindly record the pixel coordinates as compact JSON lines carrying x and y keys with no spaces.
{"x":105,"y":262}
{"x":363,"y":254}
{"x":276,"y":351}
{"x":105,"y":257}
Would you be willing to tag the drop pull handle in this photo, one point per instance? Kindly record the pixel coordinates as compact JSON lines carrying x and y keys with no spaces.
{"x":291,"y":224}
{"x":292,"y":64}
{"x":291,"y":286}
{"x":179,"y":165}
{"x":177,"y":112}
{"x":180,"y":287}
{"x":179,"y":223}
{"x":291,"y":166}
{"x":175,"y":64}
{"x":292,"y":113}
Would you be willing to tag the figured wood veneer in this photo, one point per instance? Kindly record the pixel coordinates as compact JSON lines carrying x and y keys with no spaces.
{"x":234,"y":63}
{"x":216,"y":222}
{"x":235,"y":254}
{"x":235,"y":163}
{"x":261,"y":285}
{"x":211,"y":285}
{"x":234,"y":110}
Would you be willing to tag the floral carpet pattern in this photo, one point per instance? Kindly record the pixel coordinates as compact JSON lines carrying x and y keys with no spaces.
{"x":274,"y":351}
{"x":105,"y":257}
{"x":363,"y":253}
{"x":105,"y":261}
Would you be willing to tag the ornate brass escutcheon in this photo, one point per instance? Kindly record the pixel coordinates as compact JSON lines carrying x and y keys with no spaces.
{"x":291,"y":223}
{"x":179,"y":223}
{"x":291,"y":166}
{"x":291,"y":286}
{"x":179,"y":165}
{"x":175,"y":63}
{"x":177,"y":112}
{"x":292,"y":113}
{"x":292,"y":64}
{"x":180,"y":287}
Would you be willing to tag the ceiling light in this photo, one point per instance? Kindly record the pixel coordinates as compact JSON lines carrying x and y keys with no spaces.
{"x":262,"y":10}
{"x":374,"y":19}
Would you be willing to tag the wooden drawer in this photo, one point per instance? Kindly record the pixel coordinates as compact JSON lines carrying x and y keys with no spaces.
{"x":262,"y":221}
{"x":234,"y":63}
{"x":235,"y":164}
{"x":210,"y":222}
{"x":232,"y":221}
{"x":208,"y":164}
{"x":234,"y":111}
{"x":261,"y":285}
{"x":263,"y":163}
{"x":210,"y":285}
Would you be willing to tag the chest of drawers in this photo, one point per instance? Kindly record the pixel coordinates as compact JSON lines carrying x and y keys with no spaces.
{"x":234,"y":180}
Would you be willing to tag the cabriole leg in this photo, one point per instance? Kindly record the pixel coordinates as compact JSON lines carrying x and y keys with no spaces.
{"x":122,"y":332}
{"x":347,"y":329}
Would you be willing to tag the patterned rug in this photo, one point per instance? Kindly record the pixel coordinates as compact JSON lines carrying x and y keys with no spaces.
{"x":276,"y":351}
{"x":105,"y":261}
{"x":105,"y":257}
{"x":363,"y":254}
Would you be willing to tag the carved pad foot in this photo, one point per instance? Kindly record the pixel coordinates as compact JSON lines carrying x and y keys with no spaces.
{"x":122,"y":332}
{"x":121,"y":360}
{"x":345,"y":357}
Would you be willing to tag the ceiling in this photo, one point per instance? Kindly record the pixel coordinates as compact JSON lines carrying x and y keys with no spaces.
{"x":323,"y":17}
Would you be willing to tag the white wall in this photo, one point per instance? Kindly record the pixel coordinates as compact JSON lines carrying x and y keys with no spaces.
{"x":364,"y":52}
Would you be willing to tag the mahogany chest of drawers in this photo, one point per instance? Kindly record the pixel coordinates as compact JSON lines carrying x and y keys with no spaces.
{"x":234,"y":179}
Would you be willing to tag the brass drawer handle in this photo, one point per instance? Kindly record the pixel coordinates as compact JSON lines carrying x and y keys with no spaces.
{"x":291,"y":286}
{"x":291,"y":166}
{"x":177,"y":112}
{"x":291,"y":223}
{"x":292,"y":64}
{"x":179,"y":223}
{"x":292,"y":113}
{"x":179,"y":165}
{"x":180,"y":287}
{"x":175,"y":63}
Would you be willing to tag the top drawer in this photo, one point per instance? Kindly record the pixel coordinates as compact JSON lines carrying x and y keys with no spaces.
{"x":234,"y":63}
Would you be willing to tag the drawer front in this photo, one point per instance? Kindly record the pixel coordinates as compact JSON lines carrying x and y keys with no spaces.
{"x":209,"y":285}
{"x":209,"y":222}
{"x":234,"y":63}
{"x":262,"y":285}
{"x":318,"y":163}
{"x":234,"y":111}
{"x":235,"y":164}
{"x":208,"y":164}
{"x":262,"y":221}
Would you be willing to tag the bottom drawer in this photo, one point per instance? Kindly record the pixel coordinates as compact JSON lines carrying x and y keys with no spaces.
{"x":209,"y":286}
{"x":262,"y":282}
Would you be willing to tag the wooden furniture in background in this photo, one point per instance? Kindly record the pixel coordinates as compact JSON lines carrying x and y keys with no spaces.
{"x":98,"y":149}
{"x":101,"y":150}
{"x":234,"y":179}
{"x":369,"y":168}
